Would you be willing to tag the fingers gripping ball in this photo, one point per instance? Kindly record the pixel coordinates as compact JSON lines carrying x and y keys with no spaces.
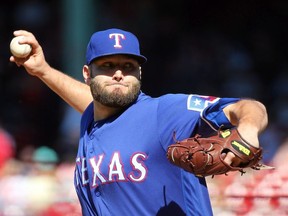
{"x":202,"y":156}
{"x":19,"y":50}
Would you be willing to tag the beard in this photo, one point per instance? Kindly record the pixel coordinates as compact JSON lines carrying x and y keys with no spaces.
{"x":116,"y":98}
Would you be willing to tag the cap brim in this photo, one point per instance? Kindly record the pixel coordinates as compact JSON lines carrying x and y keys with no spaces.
{"x":140,"y":58}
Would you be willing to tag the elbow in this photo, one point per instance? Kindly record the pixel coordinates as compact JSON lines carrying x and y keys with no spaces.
{"x":263,"y":115}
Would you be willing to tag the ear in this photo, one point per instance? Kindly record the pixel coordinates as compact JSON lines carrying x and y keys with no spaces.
{"x":140,"y":73}
{"x":86,"y":74}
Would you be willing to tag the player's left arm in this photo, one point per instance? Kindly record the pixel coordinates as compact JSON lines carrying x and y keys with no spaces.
{"x":250,"y":117}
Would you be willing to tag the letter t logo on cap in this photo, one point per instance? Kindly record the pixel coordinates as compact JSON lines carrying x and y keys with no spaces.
{"x":117,"y":38}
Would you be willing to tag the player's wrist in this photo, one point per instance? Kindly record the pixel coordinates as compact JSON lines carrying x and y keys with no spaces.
{"x":42,"y":71}
{"x":249,"y":133}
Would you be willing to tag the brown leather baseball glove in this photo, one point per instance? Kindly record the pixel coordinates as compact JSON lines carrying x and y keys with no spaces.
{"x":202,"y":155}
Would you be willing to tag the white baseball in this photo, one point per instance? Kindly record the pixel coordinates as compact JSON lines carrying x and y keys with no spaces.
{"x":19,"y":50}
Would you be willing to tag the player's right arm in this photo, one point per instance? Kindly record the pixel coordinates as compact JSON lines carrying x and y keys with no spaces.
{"x":74,"y":92}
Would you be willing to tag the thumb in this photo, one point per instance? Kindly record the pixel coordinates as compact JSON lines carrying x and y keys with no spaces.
{"x":230,"y":159}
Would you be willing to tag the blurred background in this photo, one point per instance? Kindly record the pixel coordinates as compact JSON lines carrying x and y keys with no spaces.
{"x":220,"y":48}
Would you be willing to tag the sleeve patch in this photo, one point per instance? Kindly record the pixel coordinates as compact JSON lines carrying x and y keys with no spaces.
{"x":200,"y":102}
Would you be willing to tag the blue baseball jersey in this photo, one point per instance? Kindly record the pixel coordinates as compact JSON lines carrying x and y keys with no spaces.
{"x":121,"y":165}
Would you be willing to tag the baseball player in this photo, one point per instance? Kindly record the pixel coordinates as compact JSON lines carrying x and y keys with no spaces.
{"x":121,"y":165}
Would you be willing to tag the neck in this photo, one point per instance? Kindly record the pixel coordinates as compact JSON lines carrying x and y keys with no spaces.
{"x":102,"y":112}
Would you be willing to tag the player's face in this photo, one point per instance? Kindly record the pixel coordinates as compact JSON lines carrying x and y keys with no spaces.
{"x":115,"y":80}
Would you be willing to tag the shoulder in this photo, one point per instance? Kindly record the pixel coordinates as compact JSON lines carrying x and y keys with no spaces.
{"x":89,"y":109}
{"x":87,"y":115}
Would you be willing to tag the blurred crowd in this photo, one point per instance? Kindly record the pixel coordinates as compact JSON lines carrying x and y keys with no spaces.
{"x":228,"y":49}
{"x":36,"y":183}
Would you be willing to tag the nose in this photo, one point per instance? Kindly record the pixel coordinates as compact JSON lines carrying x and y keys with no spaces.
{"x":118,"y":75}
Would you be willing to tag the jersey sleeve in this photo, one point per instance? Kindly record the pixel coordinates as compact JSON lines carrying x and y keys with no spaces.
{"x":180,"y":116}
{"x":214,"y":116}
{"x":177,"y":117}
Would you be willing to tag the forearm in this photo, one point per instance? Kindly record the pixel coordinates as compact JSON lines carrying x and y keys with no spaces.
{"x":250,"y":117}
{"x":72,"y":91}
{"x":252,"y":113}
